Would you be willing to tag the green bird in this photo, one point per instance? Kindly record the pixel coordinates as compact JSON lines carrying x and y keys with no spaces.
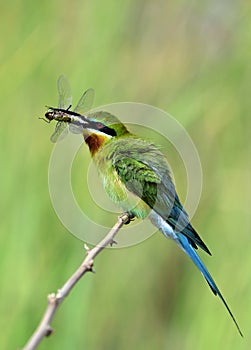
{"x":135,"y":174}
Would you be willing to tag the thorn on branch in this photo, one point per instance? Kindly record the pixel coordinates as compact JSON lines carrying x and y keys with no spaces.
{"x":48,"y":331}
{"x":113,"y":242}
{"x":92,"y":270}
{"x":89,"y":265}
{"x":52,"y":298}
{"x":87,"y":248}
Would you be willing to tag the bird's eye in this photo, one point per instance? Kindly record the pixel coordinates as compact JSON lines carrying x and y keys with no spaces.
{"x":100,"y":125}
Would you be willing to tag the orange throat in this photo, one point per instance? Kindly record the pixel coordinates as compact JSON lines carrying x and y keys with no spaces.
{"x":94,"y":142}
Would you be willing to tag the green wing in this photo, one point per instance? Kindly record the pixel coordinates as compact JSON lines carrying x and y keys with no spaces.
{"x":139,"y":179}
{"x":157,"y":190}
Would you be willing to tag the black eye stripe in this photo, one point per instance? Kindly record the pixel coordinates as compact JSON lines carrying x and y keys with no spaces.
{"x":108,"y":131}
{"x":103,"y":128}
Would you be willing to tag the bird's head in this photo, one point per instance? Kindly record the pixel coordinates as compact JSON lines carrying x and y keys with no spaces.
{"x":105,"y":127}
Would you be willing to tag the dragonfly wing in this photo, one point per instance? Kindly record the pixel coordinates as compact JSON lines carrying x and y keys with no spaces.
{"x":64,"y":92}
{"x":85,"y":102}
{"x":76,"y":129}
{"x":60,"y":132}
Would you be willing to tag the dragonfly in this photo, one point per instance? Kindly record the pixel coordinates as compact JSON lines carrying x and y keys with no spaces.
{"x":76,"y":119}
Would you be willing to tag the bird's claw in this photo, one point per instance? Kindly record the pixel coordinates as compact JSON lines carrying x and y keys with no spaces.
{"x":130,"y":217}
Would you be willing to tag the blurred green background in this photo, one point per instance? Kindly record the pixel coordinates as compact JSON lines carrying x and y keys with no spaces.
{"x":191,"y":59}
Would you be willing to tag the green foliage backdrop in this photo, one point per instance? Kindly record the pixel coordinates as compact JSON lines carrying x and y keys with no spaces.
{"x":191,"y":59}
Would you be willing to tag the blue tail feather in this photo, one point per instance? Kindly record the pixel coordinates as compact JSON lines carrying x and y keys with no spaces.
{"x":189,"y":250}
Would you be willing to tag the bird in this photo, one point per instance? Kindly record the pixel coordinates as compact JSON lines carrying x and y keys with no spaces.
{"x":136,"y":176}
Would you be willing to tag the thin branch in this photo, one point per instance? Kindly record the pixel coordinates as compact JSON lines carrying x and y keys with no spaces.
{"x":54,"y":300}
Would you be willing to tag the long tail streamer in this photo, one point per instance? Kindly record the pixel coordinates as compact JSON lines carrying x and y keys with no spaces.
{"x":197,"y":261}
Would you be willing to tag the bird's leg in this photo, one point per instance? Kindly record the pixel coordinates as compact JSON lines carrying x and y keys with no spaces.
{"x":126,"y":217}
{"x":129,"y":216}
{"x":47,"y":121}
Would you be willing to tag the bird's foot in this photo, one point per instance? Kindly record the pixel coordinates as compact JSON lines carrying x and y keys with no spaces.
{"x":127,"y":217}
